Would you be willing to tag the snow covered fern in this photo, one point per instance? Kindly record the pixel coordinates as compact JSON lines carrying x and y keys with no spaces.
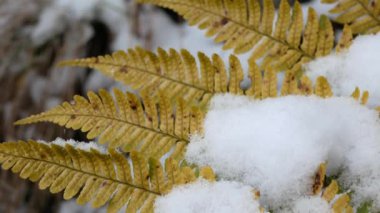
{"x":188,"y":136}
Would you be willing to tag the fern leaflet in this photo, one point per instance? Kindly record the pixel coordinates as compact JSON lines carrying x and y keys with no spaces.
{"x":96,"y":177}
{"x":174,"y":73}
{"x":362,"y":15}
{"x":151,"y":126}
{"x":246,"y":24}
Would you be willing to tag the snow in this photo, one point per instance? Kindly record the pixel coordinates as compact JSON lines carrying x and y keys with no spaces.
{"x":73,"y":12}
{"x":357,"y":67}
{"x":206,"y":197}
{"x":47,"y":26}
{"x":320,"y":8}
{"x":71,"y":206}
{"x":78,"y":10}
{"x":85,"y":146}
{"x":311,"y":205}
{"x":276,"y":145}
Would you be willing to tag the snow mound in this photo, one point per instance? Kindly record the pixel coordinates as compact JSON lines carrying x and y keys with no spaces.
{"x":206,"y":197}
{"x":311,"y":205}
{"x":276,"y":145}
{"x":357,"y":67}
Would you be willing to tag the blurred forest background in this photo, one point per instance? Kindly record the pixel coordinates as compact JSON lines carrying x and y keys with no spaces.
{"x":35,"y":35}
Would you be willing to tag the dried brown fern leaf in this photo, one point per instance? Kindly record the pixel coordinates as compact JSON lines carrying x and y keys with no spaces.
{"x":244,"y":25}
{"x":362,"y":15}
{"x":154,"y":127}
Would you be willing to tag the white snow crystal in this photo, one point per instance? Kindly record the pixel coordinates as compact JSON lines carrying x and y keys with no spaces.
{"x":206,"y":197}
{"x":358,"y":67}
{"x":276,"y":145}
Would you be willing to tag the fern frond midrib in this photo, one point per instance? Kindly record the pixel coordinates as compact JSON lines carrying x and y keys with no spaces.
{"x":157,"y":75}
{"x":118,"y":120}
{"x":247,"y":27}
{"x":369,"y":12}
{"x":83,"y":172}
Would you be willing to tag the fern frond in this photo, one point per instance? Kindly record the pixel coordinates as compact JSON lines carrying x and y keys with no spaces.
{"x":345,"y":40}
{"x":153,"y":127}
{"x":290,"y":83}
{"x":244,"y":25}
{"x":362,"y":15}
{"x":339,"y":202}
{"x":319,"y":179}
{"x":98,"y":178}
{"x":331,"y":191}
{"x":363,"y":97}
{"x":305,"y":85}
{"x":174,"y":73}
{"x":323,"y":88}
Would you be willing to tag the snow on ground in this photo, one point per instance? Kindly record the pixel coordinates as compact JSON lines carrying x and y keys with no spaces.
{"x":357,"y":67}
{"x":276,"y":145}
{"x":206,"y":197}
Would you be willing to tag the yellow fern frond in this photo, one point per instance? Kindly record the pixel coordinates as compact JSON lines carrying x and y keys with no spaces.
{"x":174,"y":73}
{"x":364,"y":97}
{"x":255,"y":76}
{"x":331,"y":191}
{"x":325,"y":37}
{"x":319,"y":179}
{"x":98,"y":178}
{"x":362,"y":15}
{"x":207,"y":173}
{"x":153,"y":127}
{"x":322,"y":88}
{"x":289,"y":84}
{"x":306,"y":85}
{"x":356,"y":93}
{"x":340,"y":203}
{"x":345,"y":40}
{"x":269,"y":88}
{"x":265,"y":85}
{"x":244,"y":25}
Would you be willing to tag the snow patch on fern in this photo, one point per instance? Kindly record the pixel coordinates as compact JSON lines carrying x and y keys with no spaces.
{"x":357,"y":67}
{"x":85,"y":146}
{"x":206,"y":197}
{"x":276,"y":145}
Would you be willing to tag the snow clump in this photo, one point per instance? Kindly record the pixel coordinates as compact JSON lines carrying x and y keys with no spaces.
{"x":206,"y":197}
{"x":359,"y":66}
{"x":276,"y":145}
